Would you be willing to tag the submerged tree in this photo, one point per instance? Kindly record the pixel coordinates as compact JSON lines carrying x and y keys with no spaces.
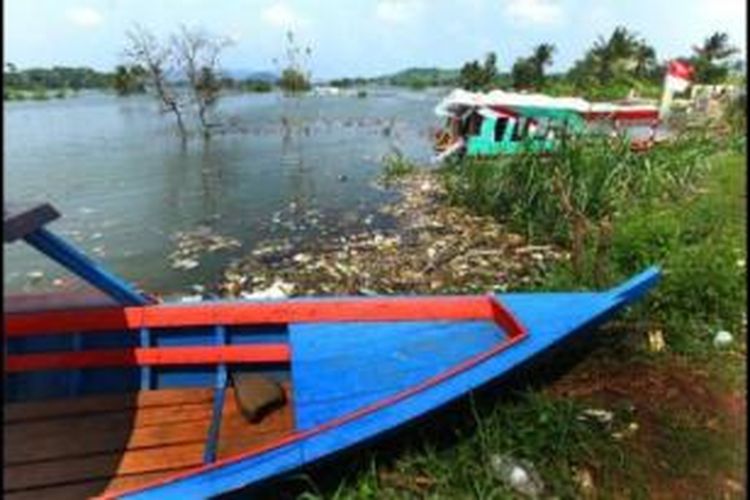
{"x":197,"y":54}
{"x":295,"y":75}
{"x":144,"y":48}
{"x":190,"y":56}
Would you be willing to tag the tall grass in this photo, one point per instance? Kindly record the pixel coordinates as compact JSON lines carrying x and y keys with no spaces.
{"x":574,"y":195}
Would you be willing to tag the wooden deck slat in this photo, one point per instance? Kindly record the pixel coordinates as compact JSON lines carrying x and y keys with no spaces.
{"x":26,"y":444}
{"x":75,"y":448}
{"x":15,"y":412}
{"x":102,"y":466}
{"x":86,"y":489}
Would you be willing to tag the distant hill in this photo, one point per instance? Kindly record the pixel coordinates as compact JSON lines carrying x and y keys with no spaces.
{"x":421,"y":77}
{"x":411,"y":77}
{"x":245,"y":74}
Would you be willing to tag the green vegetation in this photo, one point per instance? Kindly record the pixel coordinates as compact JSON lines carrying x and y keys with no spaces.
{"x":57,"y":82}
{"x":129,"y":80}
{"x":609,"y":70}
{"x":669,"y":426}
{"x":395,"y":166}
{"x":529,"y":72}
{"x":251,"y":85}
{"x":711,"y":59}
{"x":619,"y":211}
{"x":479,"y":77}
{"x":295,"y":78}
{"x":294,"y":81}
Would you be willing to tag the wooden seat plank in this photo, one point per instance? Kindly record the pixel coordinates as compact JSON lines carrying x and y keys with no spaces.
{"x":16,"y":412}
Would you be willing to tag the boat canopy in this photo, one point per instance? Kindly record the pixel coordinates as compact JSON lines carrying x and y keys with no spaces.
{"x":459,"y":100}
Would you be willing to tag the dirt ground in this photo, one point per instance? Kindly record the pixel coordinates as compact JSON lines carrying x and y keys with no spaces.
{"x":662,"y":394}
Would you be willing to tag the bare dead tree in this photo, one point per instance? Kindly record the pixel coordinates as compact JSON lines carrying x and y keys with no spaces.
{"x":143,"y":48}
{"x":197,"y":55}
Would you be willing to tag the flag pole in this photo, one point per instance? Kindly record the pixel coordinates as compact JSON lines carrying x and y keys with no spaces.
{"x":666,"y":98}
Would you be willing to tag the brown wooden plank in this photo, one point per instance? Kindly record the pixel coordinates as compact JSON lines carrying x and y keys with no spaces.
{"x":23,"y":444}
{"x":237,"y":435}
{"x":104,"y":466}
{"x":59,"y":451}
{"x":88,"y":489}
{"x":15,"y":412}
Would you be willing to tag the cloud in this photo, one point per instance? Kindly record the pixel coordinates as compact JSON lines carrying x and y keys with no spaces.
{"x":398,"y":11}
{"x":281,"y":15}
{"x":85,"y":17}
{"x":535,"y":11}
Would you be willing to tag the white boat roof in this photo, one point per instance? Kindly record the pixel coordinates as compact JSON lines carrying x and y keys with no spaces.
{"x":458,"y":100}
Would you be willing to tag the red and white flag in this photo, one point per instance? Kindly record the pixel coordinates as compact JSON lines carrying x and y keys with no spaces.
{"x":678,"y":76}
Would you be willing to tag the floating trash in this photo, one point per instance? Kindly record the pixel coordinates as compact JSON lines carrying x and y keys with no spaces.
{"x":278,"y":290}
{"x":656,"y":341}
{"x":631,"y":429}
{"x":429,"y":248}
{"x":186,"y":264}
{"x":584,"y":480}
{"x":192,"y":244}
{"x":519,"y":475}
{"x":599,"y":415}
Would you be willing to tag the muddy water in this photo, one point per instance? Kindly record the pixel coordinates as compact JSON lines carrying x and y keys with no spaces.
{"x":131,"y":195}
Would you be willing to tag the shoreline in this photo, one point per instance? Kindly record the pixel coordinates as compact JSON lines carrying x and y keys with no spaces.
{"x":434,"y":248}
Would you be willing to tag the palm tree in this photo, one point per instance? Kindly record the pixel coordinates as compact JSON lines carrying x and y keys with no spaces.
{"x":543,"y":55}
{"x":716,"y":47}
{"x":645,"y":59}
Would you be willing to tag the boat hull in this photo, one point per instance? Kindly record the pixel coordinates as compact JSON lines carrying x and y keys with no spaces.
{"x":549,"y":317}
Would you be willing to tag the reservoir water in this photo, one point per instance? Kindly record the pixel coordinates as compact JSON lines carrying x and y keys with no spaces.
{"x":288,"y":169}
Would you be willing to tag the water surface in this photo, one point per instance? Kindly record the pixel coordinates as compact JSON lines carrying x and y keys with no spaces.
{"x":294,"y":169}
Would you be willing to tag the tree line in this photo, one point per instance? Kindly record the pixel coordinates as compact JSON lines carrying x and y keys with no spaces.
{"x":608,"y":69}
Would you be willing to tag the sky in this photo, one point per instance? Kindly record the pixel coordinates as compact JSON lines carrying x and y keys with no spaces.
{"x":362,"y":37}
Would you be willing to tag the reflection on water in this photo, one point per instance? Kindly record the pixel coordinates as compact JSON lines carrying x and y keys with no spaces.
{"x":286,"y":168}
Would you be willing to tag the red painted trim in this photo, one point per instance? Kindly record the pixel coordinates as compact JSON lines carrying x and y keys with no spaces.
{"x":300,"y":311}
{"x":634,"y":114}
{"x":259,"y":353}
{"x":362,"y":412}
{"x":505,"y":110}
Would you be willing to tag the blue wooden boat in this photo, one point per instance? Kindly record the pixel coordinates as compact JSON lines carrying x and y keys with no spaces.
{"x":136,"y":399}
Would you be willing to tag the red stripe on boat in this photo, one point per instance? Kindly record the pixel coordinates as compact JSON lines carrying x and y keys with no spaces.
{"x":163,"y":316}
{"x":261,"y":353}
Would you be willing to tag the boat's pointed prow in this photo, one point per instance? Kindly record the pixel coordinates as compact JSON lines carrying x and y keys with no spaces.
{"x":634,"y":288}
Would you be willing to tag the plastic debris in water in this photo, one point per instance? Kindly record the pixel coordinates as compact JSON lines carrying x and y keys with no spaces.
{"x":186,"y":264}
{"x":35,"y":275}
{"x":278,"y":290}
{"x":723,"y":338}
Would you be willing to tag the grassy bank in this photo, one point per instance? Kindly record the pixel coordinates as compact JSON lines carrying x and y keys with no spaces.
{"x":680,"y":206}
{"x":627,"y":418}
